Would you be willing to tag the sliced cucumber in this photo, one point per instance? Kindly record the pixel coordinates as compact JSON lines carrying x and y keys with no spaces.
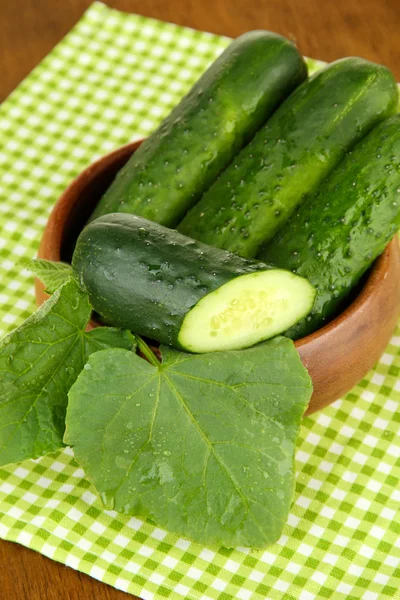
{"x":246,"y":310}
{"x":158,"y":283}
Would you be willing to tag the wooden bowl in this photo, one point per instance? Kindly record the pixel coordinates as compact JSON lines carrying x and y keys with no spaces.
{"x":337,"y":356}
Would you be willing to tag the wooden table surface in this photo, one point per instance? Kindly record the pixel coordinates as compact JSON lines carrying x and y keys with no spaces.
{"x":326,"y":29}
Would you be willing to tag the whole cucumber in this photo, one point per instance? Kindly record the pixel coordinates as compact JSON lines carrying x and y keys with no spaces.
{"x":156,"y":282}
{"x":200,"y":137}
{"x":337,"y":234}
{"x":290,"y":156}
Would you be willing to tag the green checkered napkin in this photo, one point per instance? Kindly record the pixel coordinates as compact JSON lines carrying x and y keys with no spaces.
{"x":110,"y":81}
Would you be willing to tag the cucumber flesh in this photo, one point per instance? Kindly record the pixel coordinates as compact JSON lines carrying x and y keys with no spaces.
{"x":245,"y":311}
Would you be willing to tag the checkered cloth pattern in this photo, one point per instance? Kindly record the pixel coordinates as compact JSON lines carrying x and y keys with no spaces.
{"x":111,"y":80}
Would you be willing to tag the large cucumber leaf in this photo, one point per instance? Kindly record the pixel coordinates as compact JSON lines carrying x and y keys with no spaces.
{"x":39,"y":361}
{"x":201,"y":444}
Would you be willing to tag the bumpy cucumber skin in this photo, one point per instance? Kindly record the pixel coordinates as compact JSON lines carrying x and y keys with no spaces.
{"x":291,"y":155}
{"x":337,"y":234}
{"x":200,"y":137}
{"x":144,"y":277}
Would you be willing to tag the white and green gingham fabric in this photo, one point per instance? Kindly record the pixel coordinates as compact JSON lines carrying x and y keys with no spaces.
{"x":110,"y":81}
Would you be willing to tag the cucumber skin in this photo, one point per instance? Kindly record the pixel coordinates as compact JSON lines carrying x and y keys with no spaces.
{"x":337,"y":235}
{"x":200,"y":137}
{"x":144,"y":277}
{"x":291,"y":155}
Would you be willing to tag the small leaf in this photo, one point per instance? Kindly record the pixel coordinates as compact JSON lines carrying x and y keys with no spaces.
{"x":201,"y":444}
{"x":39,"y":362}
{"x":52,"y":274}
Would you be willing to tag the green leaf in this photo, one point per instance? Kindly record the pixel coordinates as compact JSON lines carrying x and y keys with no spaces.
{"x":201,"y":444}
{"x":52,"y":274}
{"x":39,"y":362}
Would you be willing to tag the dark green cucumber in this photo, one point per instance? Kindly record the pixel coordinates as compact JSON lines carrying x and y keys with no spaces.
{"x":221,"y":113}
{"x":291,"y":155}
{"x":158,"y":283}
{"x":337,"y":234}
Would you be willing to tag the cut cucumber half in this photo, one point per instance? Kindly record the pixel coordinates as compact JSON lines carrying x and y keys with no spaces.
{"x":167,"y":287}
{"x":246,"y":310}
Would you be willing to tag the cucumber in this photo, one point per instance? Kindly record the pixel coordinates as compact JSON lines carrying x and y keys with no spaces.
{"x":200,"y":137}
{"x":291,"y":155}
{"x":158,"y":283}
{"x":335,"y":237}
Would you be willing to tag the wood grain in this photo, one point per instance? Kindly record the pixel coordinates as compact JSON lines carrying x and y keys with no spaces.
{"x":326,"y":29}
{"x":27,"y":575}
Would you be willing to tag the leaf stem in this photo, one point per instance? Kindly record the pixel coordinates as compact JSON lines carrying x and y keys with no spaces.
{"x":146,"y":351}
